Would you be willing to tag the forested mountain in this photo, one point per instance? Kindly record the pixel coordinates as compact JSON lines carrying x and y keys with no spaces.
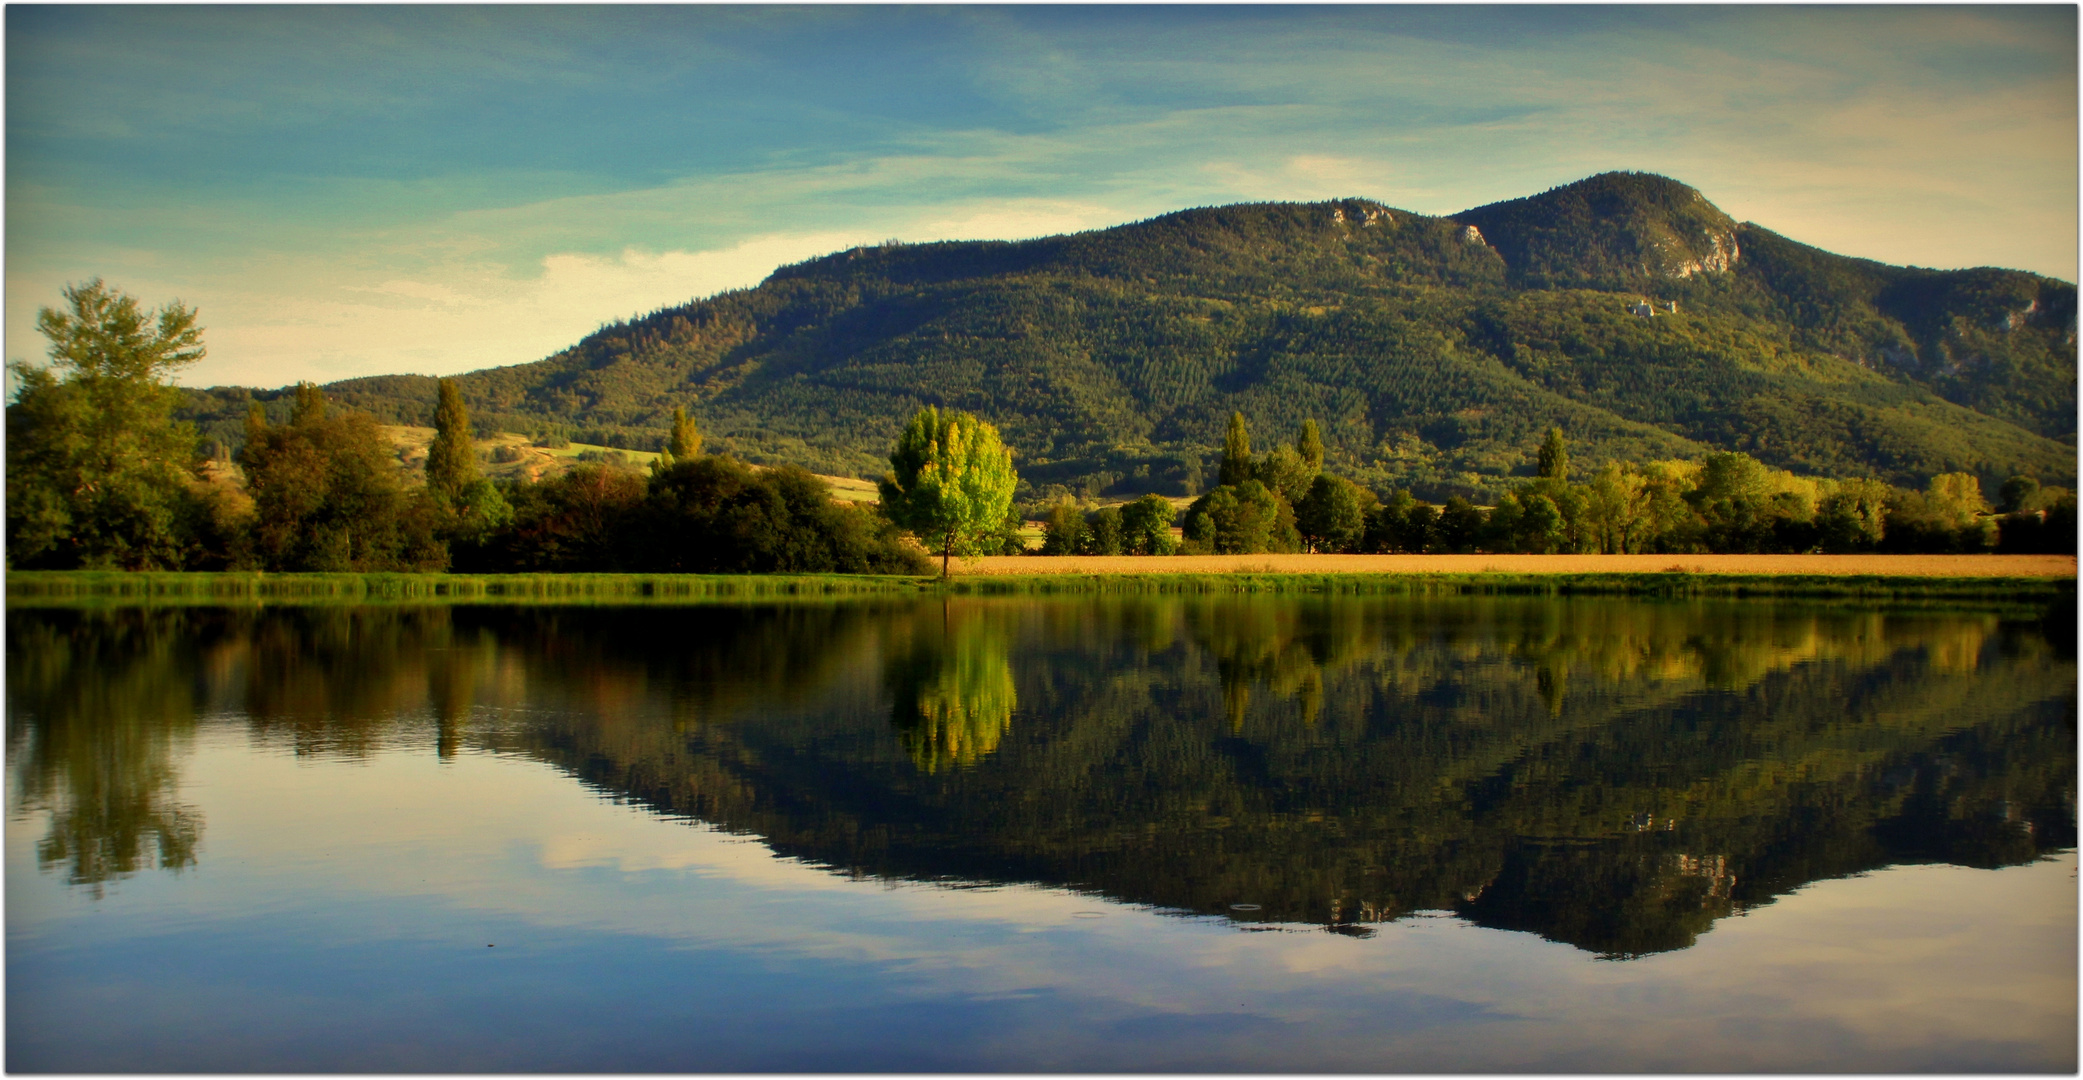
{"x":1433,"y":351}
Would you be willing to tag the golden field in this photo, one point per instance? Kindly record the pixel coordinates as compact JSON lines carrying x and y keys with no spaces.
{"x":1938,"y":566}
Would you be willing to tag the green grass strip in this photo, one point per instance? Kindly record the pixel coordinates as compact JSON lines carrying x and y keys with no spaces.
{"x":95,"y":588}
{"x":73,"y":588}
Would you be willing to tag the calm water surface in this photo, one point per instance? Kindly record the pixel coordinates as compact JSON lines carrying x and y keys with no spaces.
{"x":1370,"y":835}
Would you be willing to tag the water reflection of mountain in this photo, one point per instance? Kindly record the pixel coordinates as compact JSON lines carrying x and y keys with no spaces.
{"x":1612,"y":774}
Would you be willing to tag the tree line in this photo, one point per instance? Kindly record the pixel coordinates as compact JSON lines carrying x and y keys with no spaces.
{"x":100,"y":475}
{"x":1725,"y":502}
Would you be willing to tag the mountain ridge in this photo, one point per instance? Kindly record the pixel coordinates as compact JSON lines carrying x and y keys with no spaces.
{"x":1433,"y":350}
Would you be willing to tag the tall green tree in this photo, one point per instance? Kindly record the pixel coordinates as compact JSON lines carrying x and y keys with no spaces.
{"x":1236,"y":452}
{"x":1286,"y":473}
{"x":1333,"y":516}
{"x":1103,"y":532}
{"x":1554,"y":460}
{"x":687,"y":439}
{"x":1311,"y":445}
{"x":1146,"y":526}
{"x":470,"y":505}
{"x":2017,"y":494}
{"x":98,"y":472}
{"x":1852,"y":518}
{"x":950,"y":482}
{"x":1063,"y":530}
{"x":1246,"y":519}
{"x":452,"y":456}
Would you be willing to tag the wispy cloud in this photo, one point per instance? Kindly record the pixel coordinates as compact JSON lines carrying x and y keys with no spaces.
{"x":309,"y":175}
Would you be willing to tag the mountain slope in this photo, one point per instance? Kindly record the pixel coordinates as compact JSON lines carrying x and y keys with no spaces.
{"x":1433,"y":351}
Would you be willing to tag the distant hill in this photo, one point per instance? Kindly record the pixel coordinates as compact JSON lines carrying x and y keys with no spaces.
{"x":1432,"y":350}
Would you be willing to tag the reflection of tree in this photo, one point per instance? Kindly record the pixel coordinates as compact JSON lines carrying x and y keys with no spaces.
{"x":1284,"y":646}
{"x":1613,"y":774}
{"x":338,"y":681}
{"x":99,"y":706}
{"x":954,"y":692}
{"x":100,"y":703}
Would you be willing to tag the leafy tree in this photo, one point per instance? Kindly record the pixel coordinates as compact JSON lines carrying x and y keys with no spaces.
{"x":452,"y":456}
{"x":2035,"y":519}
{"x":1236,"y":452}
{"x":686,"y":441}
{"x":1540,"y":528}
{"x":1146,"y":526}
{"x":577,"y":521}
{"x":1311,"y":445}
{"x":1063,"y":530}
{"x":714,"y":515}
{"x":950,"y":482}
{"x":98,"y":473}
{"x":1958,"y":496}
{"x":1617,"y":507}
{"x":2018,"y":493}
{"x":1333,"y":516}
{"x":328,"y":497}
{"x":1673,"y":526}
{"x":1460,"y":526}
{"x":1734,"y":499}
{"x":1554,"y":460}
{"x":1420,"y":529}
{"x":471,"y":506}
{"x":1852,"y":518}
{"x":1947,"y":516}
{"x":1245,"y":519}
{"x":1385,"y":523}
{"x":1103,"y":532}
{"x":2045,"y":523}
{"x":1286,"y":473}
{"x":1010,"y":540}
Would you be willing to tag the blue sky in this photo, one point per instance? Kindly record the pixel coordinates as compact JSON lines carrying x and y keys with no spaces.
{"x":349,"y":191}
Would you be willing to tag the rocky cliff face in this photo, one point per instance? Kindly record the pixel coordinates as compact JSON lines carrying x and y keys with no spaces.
{"x":1716,"y":252}
{"x":1611,"y":231}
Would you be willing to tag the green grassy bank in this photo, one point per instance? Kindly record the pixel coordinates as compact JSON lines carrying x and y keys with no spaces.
{"x":68,"y":588}
{"x":89,"y":587}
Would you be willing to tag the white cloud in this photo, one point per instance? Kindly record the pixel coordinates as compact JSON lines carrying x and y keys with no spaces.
{"x":310,"y":320}
{"x":275,"y":321}
{"x":1825,"y":136}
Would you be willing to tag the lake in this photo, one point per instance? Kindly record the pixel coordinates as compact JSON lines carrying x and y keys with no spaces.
{"x":1162,"y":833}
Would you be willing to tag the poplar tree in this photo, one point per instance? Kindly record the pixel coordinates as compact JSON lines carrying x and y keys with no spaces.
{"x":309,"y":405}
{"x":1236,"y":452}
{"x":1311,"y":446}
{"x":1554,"y":462}
{"x":452,"y":457}
{"x":687,"y":439}
{"x":950,"y":482}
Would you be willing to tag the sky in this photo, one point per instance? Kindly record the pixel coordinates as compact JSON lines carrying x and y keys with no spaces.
{"x":361,"y":190}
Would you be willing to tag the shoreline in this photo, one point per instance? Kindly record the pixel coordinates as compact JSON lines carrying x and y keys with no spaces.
{"x":1916,"y":579}
{"x":1882,"y":566}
